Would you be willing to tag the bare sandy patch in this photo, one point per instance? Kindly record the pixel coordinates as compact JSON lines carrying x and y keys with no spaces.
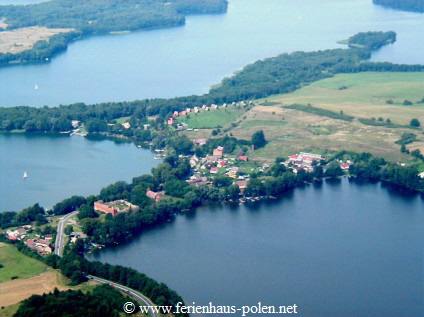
{"x":17,"y":41}
{"x":416,"y":146}
{"x":14,"y":291}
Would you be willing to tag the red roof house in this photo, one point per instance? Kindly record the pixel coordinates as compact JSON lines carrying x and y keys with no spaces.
{"x":156,"y":196}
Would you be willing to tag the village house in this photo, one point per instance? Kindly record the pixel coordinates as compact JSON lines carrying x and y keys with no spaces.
{"x":75,"y":123}
{"x":214,"y":106}
{"x":42,"y":246}
{"x":344,"y":166}
{"x":114,"y":207}
{"x":126,"y":125}
{"x":77,"y":235}
{"x":196,"y":110}
{"x":222,"y":163}
{"x":232,"y":172}
{"x":170,"y":121}
{"x":218,"y":152}
{"x":242,"y":185}
{"x":214,"y":170}
{"x":243,"y":158}
{"x":176,"y":114}
{"x":183,"y":113}
{"x":146,"y":126}
{"x":188,"y":110}
{"x":204,"y":107}
{"x":156,"y":196}
{"x":194,"y":160}
{"x":200,"y":141}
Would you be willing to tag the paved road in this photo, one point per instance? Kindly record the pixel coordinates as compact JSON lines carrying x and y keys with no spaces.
{"x":60,"y":236}
{"x":130,"y":291}
{"x":60,"y":242}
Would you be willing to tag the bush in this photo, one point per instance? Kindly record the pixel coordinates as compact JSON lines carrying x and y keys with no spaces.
{"x":415,"y":123}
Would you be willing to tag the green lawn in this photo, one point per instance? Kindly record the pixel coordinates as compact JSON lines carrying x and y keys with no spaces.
{"x":17,"y":264}
{"x":211,"y":119}
{"x":365,"y":95}
{"x":122,"y":120}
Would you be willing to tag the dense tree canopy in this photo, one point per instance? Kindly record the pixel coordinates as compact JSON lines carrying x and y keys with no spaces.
{"x":97,"y":17}
{"x":103,"y":301}
{"x":406,"y":5}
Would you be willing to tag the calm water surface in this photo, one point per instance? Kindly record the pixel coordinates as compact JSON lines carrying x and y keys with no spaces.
{"x":188,"y":60}
{"x":61,"y":166}
{"x":336,"y":249}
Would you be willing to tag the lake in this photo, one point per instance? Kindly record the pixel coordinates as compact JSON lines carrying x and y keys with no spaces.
{"x":188,"y":60}
{"x":59,"y":166}
{"x":336,"y":248}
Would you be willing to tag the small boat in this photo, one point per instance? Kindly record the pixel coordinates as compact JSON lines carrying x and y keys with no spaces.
{"x":25,"y":175}
{"x":36,"y":87}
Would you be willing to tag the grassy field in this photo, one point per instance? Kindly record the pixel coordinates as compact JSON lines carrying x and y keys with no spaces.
{"x":34,"y":277}
{"x":289,"y":131}
{"x":122,"y":120}
{"x":19,"y":40}
{"x":212,"y":119}
{"x":17,"y":264}
{"x":364,"y":96}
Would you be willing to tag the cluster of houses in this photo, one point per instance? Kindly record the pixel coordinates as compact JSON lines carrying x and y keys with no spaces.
{"x":41,"y":244}
{"x":306,"y":161}
{"x":217,"y":163}
{"x":184,"y":113}
{"x":18,"y":234}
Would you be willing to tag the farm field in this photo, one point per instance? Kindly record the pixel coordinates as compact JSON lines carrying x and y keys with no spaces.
{"x":34,"y":277}
{"x":364,"y":95}
{"x":19,"y":40}
{"x":289,"y":131}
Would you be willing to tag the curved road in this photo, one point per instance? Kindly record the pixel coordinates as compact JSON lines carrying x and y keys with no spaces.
{"x":137,"y":295}
{"x":60,"y":243}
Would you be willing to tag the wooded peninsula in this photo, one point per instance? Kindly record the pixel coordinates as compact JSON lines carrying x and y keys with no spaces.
{"x":406,"y":5}
{"x":87,"y":18}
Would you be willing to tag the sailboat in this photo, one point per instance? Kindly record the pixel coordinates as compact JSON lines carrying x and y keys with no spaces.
{"x":25,"y":175}
{"x":36,"y":87}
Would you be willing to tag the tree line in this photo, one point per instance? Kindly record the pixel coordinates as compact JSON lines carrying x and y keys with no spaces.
{"x":102,"y":301}
{"x":74,"y":266}
{"x":97,"y":17}
{"x":406,"y":5}
{"x":282,"y":74}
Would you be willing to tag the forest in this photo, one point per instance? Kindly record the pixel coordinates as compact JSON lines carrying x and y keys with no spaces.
{"x":372,"y":40}
{"x":406,"y":5}
{"x":282,"y":74}
{"x":96,"y":17}
{"x":103,"y":16}
{"x":74,"y":266}
{"x":102,"y":301}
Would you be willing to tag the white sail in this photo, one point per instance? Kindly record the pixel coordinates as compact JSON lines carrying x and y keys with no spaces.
{"x":36,"y":87}
{"x":25,"y":175}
